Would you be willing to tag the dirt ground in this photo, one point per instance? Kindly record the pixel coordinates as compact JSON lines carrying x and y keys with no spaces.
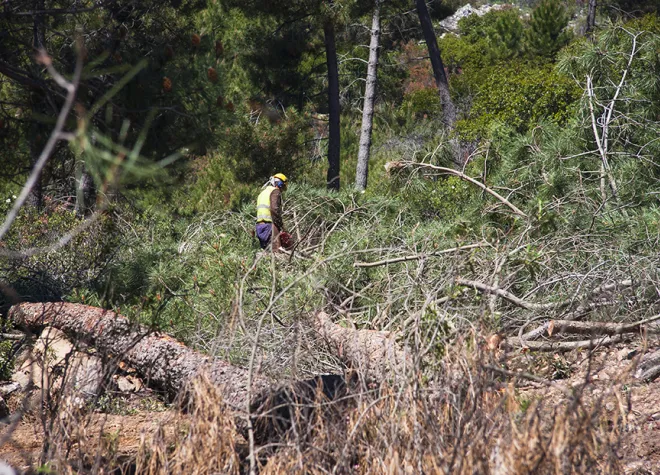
{"x":22,"y":445}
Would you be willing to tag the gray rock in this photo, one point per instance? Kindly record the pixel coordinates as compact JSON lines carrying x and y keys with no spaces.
{"x":450,"y":24}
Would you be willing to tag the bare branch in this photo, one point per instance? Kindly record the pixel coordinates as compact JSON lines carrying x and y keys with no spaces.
{"x":414,"y":257}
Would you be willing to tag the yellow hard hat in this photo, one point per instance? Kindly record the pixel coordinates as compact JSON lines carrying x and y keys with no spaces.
{"x":281,"y":176}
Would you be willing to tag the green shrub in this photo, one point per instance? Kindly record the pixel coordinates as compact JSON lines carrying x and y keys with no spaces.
{"x":423,"y":101}
{"x":6,"y":360}
{"x":547,"y":31}
{"x":521,"y":96}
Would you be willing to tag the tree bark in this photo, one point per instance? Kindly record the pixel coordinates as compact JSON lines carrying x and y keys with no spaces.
{"x":591,"y":16}
{"x":36,"y":143}
{"x":334,"y":146}
{"x":364,"y":152}
{"x":448,"y":108}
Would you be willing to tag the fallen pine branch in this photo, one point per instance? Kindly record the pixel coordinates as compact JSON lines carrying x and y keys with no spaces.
{"x":561,"y":346}
{"x":556,"y":327}
{"x":506,"y":295}
{"x":449,"y":171}
{"x":414,"y":257}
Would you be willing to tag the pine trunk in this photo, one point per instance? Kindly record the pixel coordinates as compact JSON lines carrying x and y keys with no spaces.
{"x":162,"y":361}
{"x":364,"y":152}
{"x":591,"y":16}
{"x":334,"y":108}
{"x":448,"y":109}
{"x":85,"y":190}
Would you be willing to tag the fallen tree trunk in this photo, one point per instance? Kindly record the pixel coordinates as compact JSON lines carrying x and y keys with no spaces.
{"x":374,"y":354}
{"x":162,"y":361}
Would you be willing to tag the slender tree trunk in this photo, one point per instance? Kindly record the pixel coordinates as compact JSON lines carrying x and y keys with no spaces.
{"x":85,"y":189}
{"x":37,"y":141}
{"x":448,"y":109}
{"x":333,"y":103}
{"x":591,"y":15}
{"x":364,"y":152}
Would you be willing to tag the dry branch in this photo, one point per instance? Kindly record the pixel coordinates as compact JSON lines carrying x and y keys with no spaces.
{"x":566,"y":327}
{"x":462,"y":176}
{"x":374,"y":354}
{"x":480,"y":286}
{"x":414,"y":257}
{"x":568,"y":345}
{"x":505,"y":295}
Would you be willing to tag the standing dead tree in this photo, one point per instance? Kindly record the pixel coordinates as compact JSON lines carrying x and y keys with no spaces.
{"x":362,"y":172}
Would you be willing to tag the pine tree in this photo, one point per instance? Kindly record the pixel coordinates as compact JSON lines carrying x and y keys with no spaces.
{"x":547,"y":29}
{"x":508,"y":35}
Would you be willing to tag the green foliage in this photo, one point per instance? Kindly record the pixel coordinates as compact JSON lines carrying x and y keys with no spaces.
{"x":7,"y":354}
{"x":423,"y":102}
{"x":507,"y":36}
{"x":275,"y":141}
{"x":520,"y":95}
{"x":54,"y":251}
{"x":547,"y":32}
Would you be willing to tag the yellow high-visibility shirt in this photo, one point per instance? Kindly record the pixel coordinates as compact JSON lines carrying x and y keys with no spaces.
{"x":263,"y":205}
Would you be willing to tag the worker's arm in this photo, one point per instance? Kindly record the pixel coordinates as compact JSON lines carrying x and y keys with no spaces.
{"x":276,"y":209}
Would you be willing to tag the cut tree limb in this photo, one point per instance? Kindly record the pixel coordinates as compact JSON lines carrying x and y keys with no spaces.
{"x":571,"y":327}
{"x":569,"y":345}
{"x":506,"y":295}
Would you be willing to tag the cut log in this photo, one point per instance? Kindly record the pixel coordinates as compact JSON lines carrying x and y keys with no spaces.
{"x":560,"y":346}
{"x":376,"y":355}
{"x":571,"y":327}
{"x":162,"y":361}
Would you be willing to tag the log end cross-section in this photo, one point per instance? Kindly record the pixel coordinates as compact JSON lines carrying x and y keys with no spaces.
{"x":164,"y":362}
